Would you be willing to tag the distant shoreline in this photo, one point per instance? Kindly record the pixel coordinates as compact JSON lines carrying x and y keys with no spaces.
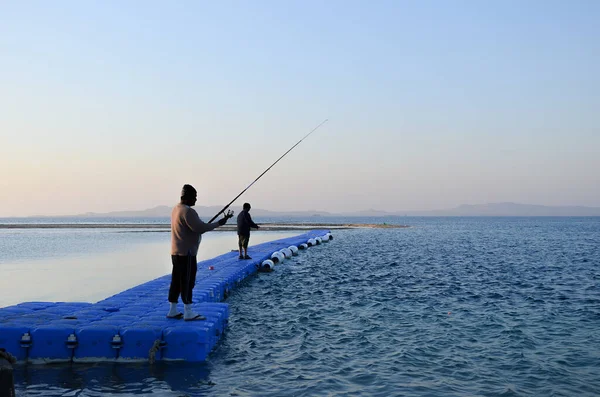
{"x":167,"y":227}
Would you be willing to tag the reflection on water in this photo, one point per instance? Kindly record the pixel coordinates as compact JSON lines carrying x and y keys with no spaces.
{"x":90,"y":265}
{"x":122,"y":379}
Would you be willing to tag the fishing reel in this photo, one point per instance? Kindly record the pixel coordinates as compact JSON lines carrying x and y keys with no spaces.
{"x":226,"y":216}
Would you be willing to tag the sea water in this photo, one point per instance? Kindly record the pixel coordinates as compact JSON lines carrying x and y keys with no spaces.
{"x":446,"y":307}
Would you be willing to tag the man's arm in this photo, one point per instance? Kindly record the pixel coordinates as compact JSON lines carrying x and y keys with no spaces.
{"x":195,"y":223}
{"x":251,"y":222}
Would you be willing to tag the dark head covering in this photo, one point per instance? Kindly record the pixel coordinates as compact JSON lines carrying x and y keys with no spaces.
{"x":188,"y":191}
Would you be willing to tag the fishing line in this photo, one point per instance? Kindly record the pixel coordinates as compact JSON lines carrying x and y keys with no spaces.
{"x":265,"y":171}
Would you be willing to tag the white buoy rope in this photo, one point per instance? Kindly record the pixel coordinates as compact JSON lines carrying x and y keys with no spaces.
{"x":278,"y":257}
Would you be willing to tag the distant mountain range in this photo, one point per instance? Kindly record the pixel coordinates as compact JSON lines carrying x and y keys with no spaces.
{"x":204,"y":212}
{"x":493,"y":209}
{"x":514,"y":209}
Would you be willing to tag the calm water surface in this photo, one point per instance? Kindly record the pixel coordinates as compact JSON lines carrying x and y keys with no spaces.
{"x":449,"y":307}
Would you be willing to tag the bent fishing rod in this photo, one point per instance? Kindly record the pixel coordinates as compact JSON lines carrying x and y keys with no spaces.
{"x":265,"y":171}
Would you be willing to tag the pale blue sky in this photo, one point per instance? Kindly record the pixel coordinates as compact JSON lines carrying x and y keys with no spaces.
{"x":113,"y":105}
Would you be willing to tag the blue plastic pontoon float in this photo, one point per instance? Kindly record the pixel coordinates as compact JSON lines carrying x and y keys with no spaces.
{"x":114,"y":330}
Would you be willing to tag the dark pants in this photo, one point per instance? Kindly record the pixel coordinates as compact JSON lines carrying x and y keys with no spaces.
{"x":183,"y":278}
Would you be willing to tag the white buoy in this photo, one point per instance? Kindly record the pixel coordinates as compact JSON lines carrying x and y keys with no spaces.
{"x":303,"y":246}
{"x":319,"y":240}
{"x":287,"y":252}
{"x":267,"y":265}
{"x":311,"y":242}
{"x":325,"y":238}
{"x":281,"y":256}
{"x":277,"y":257}
{"x":294,"y":249}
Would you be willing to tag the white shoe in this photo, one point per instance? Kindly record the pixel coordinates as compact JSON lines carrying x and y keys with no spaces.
{"x":190,"y":315}
{"x":173,"y":313}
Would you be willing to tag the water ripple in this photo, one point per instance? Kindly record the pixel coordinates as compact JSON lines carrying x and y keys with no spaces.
{"x":453,"y":307}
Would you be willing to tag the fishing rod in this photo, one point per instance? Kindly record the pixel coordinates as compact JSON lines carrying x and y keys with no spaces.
{"x":265,"y":171}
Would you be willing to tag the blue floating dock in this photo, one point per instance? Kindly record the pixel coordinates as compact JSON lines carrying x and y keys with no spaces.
{"x":132,"y":325}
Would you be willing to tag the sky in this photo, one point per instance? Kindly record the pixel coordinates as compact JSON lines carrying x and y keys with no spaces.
{"x":114,"y":105}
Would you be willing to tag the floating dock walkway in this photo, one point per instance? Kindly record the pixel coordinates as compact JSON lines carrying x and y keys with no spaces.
{"x":132,"y":325}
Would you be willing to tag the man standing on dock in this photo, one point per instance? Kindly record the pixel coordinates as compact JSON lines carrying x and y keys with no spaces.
{"x":186,"y":235}
{"x":244,"y":223}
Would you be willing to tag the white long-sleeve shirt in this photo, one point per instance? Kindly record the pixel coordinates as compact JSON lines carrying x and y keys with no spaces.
{"x":186,"y":230}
